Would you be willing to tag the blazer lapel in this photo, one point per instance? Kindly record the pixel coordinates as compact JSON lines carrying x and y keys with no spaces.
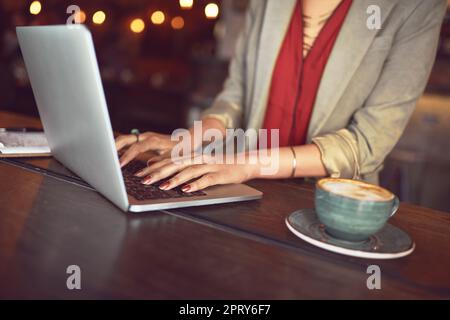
{"x":349,"y":50}
{"x":276,"y":22}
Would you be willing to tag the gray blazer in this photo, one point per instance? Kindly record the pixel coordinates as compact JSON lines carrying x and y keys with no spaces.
{"x":369,"y":88}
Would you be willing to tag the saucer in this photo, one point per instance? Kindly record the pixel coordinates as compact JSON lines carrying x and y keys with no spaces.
{"x":389,"y":243}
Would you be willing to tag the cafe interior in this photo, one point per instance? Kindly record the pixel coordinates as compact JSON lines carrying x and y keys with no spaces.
{"x":163,"y":62}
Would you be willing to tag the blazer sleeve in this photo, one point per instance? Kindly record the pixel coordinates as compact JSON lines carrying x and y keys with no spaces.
{"x":228,"y":105}
{"x":361,"y":148}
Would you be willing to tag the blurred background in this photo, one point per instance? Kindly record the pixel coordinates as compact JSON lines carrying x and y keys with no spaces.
{"x":163,"y":61}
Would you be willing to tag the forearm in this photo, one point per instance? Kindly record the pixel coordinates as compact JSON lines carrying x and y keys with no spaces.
{"x":309,"y":162}
{"x":212,"y":123}
{"x":308,"y":158}
{"x":207,"y":123}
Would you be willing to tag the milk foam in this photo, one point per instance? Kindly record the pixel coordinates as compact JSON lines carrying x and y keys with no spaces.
{"x":357,"y":190}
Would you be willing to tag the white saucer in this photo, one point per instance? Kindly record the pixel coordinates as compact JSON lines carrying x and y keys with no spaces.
{"x":389,"y":243}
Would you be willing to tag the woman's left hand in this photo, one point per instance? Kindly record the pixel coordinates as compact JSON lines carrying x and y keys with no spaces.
{"x":200,"y":172}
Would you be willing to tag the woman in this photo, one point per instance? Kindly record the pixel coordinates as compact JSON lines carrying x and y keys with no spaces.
{"x":340,"y":89}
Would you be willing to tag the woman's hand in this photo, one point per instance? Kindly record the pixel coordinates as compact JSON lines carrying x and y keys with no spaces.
{"x":160,"y":143}
{"x":148,"y":141}
{"x":199,"y":172}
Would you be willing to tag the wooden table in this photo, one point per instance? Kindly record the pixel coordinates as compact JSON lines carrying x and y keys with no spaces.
{"x":234,"y":251}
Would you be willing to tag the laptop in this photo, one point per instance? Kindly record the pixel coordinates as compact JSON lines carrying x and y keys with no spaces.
{"x":63,"y":70}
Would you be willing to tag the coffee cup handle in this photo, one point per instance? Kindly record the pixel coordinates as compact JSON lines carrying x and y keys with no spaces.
{"x":395,"y":206}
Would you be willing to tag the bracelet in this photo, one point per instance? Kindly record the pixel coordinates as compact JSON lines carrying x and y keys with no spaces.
{"x":294,"y":163}
{"x":136,"y":133}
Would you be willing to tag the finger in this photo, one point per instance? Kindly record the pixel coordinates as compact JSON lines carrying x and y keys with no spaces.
{"x":125,"y":141}
{"x":204,"y":182}
{"x":153,"y":167}
{"x":156,"y":159}
{"x":131,"y":154}
{"x":188,"y":159}
{"x":158,"y":142}
{"x":188,"y":174}
{"x":157,"y":162}
{"x":163,"y":173}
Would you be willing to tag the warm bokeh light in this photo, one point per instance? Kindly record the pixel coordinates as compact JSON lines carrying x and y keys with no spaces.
{"x":177,"y":23}
{"x":35,"y":7}
{"x":137,"y":25}
{"x":212,"y":11}
{"x":158,"y":17}
{"x":186,"y":4}
{"x":99,"y":17}
{"x":80,"y":17}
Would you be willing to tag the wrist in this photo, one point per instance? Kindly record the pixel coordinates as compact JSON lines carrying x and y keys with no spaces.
{"x":253,"y":165}
{"x":197,"y":132}
{"x":211,"y":122}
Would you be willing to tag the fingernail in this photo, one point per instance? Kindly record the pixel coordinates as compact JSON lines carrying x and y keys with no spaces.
{"x":186,"y":188}
{"x":147,"y":181}
{"x":165,"y":185}
{"x":140,"y":174}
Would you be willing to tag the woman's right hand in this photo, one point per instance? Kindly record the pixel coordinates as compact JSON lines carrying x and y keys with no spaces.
{"x":148,"y":141}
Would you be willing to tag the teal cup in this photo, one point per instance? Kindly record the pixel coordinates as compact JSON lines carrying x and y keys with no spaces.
{"x":353,"y":210}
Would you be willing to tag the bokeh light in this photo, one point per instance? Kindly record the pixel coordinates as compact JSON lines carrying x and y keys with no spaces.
{"x":137,"y":25}
{"x":35,"y":7}
{"x":177,"y":23}
{"x":99,"y":17}
{"x":186,"y":4}
{"x":158,"y":17}
{"x":211,"y":11}
{"x":80,"y":17}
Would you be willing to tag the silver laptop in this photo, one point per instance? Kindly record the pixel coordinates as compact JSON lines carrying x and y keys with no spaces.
{"x":67,"y":87}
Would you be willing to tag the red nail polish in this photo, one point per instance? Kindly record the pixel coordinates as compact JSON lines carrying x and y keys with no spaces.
{"x":186,"y":188}
{"x":165,"y":185}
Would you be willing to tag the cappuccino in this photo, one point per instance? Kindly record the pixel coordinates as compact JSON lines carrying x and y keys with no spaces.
{"x":355,"y":189}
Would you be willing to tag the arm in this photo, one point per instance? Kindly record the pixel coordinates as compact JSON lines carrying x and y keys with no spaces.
{"x":308,"y":164}
{"x":208,"y":173}
{"x":355,"y":150}
{"x":361,"y":148}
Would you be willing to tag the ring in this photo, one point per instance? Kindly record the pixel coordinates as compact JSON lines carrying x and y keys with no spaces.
{"x":136,"y":133}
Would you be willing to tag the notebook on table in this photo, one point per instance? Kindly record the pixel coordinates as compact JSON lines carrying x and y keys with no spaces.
{"x":23,"y":144}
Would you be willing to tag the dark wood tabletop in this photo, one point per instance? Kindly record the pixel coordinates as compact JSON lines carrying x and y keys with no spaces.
{"x":232,"y":251}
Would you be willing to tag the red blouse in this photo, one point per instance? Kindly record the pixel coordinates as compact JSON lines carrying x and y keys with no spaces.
{"x":296,"y":80}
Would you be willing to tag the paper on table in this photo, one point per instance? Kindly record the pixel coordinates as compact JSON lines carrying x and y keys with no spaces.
{"x":23,"y":143}
{"x":25,"y":150}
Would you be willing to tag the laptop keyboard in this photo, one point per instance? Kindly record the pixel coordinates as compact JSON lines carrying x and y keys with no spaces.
{"x":142,"y":192}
